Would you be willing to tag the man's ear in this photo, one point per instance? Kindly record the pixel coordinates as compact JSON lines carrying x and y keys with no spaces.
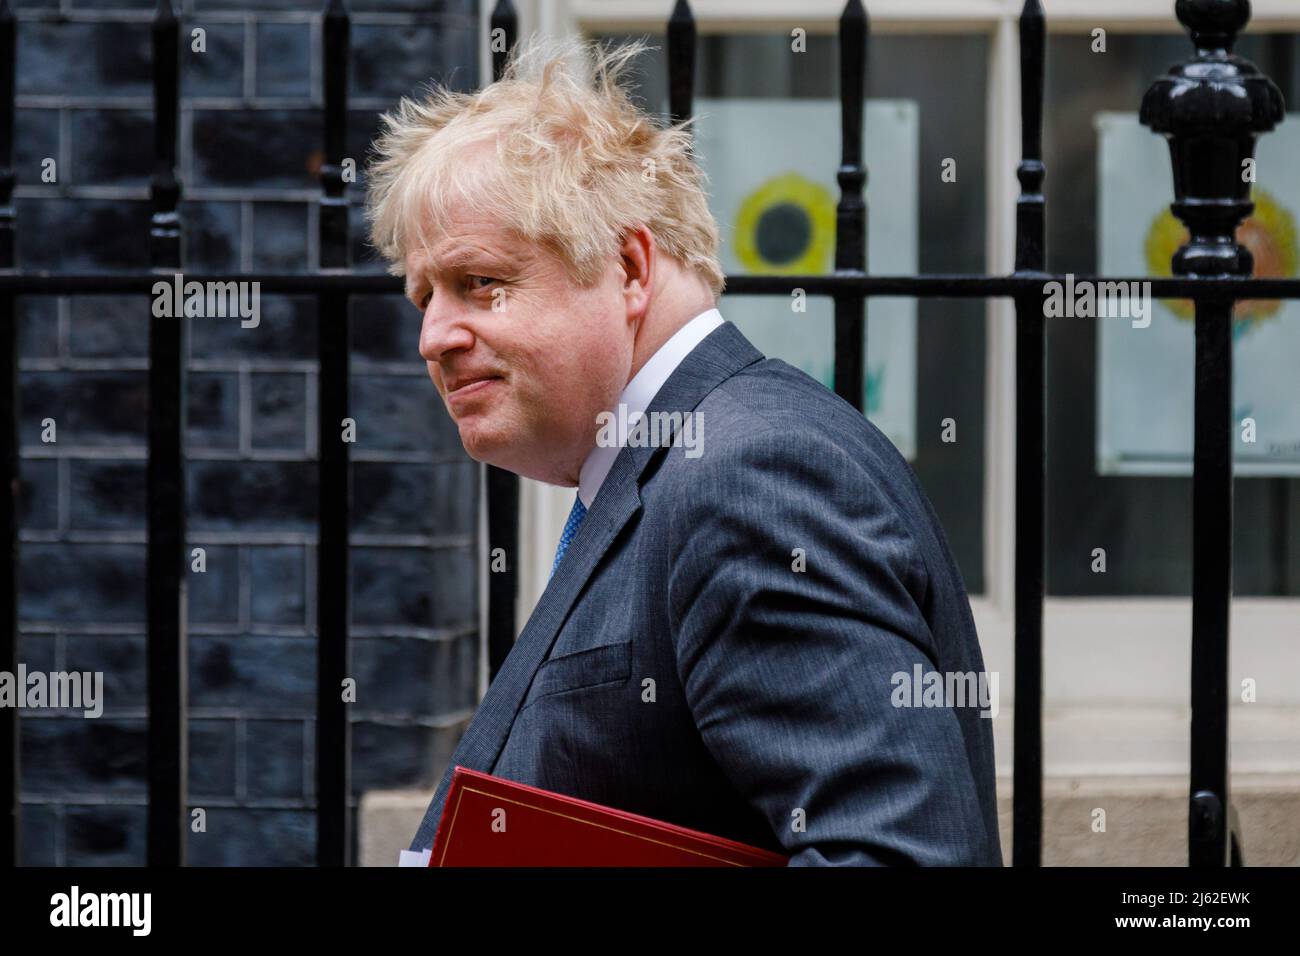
{"x":639,"y":256}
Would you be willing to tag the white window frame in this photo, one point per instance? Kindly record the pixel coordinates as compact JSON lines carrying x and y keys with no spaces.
{"x":1144,"y":643}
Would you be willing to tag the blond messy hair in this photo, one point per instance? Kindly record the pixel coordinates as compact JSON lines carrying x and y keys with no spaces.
{"x":577,"y":164}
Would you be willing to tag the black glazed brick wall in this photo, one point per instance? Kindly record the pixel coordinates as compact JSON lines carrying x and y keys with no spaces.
{"x":250,"y":151}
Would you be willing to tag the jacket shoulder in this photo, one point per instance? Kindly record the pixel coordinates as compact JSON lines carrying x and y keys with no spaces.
{"x":772,"y":403}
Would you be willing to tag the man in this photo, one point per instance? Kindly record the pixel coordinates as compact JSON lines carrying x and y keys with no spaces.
{"x":735,"y":607}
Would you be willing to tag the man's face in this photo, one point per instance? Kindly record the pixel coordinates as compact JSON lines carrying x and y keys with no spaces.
{"x":523,"y":357}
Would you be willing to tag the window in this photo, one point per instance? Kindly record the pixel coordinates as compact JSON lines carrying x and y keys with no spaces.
{"x":1144,"y":522}
{"x":947,"y":232}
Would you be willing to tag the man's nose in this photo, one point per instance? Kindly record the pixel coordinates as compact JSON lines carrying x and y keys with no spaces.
{"x":442,"y":331}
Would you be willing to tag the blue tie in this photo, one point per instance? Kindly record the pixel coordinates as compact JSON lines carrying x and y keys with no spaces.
{"x":571,"y":526}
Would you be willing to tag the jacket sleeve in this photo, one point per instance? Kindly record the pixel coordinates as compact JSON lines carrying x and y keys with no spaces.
{"x":795,"y":596}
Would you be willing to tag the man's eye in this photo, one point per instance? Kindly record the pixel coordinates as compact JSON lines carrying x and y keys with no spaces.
{"x":479,"y":282}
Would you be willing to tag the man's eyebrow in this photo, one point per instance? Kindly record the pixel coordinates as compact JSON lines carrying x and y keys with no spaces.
{"x":460,"y":258}
{"x":426,"y":266}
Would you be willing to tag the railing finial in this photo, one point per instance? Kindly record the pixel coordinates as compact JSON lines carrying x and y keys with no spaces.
{"x":1212,"y":109}
{"x":851,"y":210}
{"x":336,"y":39}
{"x":681,"y":62}
{"x":503,"y":33}
{"x":165,"y":232}
{"x":8,"y":178}
{"x":1213,"y":24}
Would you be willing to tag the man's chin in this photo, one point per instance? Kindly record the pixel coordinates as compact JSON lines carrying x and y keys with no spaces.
{"x":486,"y":446}
{"x":509,"y":456}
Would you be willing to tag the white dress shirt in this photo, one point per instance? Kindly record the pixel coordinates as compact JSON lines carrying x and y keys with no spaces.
{"x":640,"y":392}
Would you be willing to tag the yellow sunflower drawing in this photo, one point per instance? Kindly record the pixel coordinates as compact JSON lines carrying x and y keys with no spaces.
{"x":786,"y":226}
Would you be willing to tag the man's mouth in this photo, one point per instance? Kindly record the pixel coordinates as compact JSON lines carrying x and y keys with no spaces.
{"x":469,"y":385}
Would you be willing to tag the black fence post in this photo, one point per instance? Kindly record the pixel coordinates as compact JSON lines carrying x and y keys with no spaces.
{"x":333,"y":730}
{"x":10,"y":773}
{"x":851,"y":211}
{"x":502,"y":487}
{"x":1212,"y":110}
{"x":503,"y":31}
{"x":168,"y":747}
{"x":681,"y":62}
{"x":1031,"y":454}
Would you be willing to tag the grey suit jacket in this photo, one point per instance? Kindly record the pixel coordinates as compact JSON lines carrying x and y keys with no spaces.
{"x":679,"y":666}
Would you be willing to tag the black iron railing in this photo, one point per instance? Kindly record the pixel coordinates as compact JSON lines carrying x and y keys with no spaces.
{"x":1211,"y":110}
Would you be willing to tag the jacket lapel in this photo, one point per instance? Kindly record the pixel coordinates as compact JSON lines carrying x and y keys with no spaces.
{"x":720,"y":355}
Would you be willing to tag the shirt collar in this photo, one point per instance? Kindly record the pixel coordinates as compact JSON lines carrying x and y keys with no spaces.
{"x":640,"y":392}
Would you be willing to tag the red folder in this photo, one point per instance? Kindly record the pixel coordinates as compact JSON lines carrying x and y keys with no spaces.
{"x":490,"y":821}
